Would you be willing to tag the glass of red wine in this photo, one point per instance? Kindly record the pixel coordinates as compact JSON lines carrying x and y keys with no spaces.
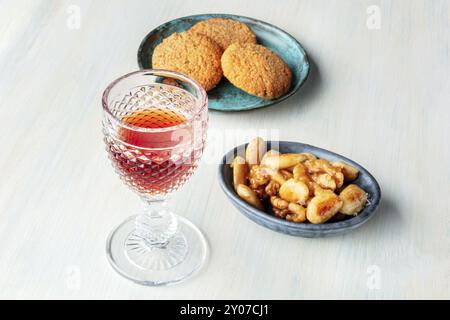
{"x":154,"y":125}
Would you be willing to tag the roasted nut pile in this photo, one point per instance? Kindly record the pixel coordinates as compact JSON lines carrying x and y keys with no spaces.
{"x":298,"y":186}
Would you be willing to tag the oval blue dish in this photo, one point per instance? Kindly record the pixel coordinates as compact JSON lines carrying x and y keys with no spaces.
{"x":225,"y":96}
{"x":365,"y":180}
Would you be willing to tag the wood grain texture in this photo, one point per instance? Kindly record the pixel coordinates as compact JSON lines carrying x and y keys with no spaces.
{"x":380,"y":97}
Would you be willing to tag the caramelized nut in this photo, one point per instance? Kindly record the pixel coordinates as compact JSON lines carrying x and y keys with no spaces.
{"x":278,"y":202}
{"x":249,"y":196}
{"x":240,"y":171}
{"x":294,"y":191}
{"x":320,"y":166}
{"x":297,"y":213}
{"x":354,"y":199}
{"x":324,"y":180}
{"x":272,"y":188}
{"x":283,"y":161}
{"x":350,"y":173}
{"x":339,"y":178}
{"x":322,"y":207}
{"x":280,"y":213}
{"x":255,"y":151}
{"x":258,"y":176}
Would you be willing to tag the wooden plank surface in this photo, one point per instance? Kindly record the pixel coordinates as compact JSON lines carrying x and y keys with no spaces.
{"x":379,"y":93}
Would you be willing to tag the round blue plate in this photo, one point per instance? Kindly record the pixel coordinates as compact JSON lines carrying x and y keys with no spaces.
{"x":225,"y":96}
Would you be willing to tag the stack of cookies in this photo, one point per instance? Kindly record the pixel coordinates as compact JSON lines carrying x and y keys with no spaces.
{"x":219,"y":47}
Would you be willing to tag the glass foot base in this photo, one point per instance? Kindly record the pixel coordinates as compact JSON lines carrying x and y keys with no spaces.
{"x":180,"y":258}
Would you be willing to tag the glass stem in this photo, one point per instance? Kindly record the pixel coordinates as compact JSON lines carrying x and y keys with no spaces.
{"x":157,"y":224}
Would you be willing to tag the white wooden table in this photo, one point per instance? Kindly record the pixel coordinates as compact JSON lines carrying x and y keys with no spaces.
{"x":379,"y":93}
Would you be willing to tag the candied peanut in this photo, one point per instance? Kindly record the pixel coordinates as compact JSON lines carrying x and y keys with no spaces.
{"x":350,"y":173}
{"x":255,"y":151}
{"x":294,"y":191}
{"x":249,"y":196}
{"x":354,"y":199}
{"x":240,"y":171}
{"x":297,"y":213}
{"x":322,"y":207}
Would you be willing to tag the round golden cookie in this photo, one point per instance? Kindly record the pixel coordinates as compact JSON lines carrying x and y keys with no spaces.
{"x":194,"y":55}
{"x":256,"y":70}
{"x":224,"y":31}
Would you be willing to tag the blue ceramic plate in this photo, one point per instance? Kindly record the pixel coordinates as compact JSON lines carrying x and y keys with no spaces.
{"x":365,"y":180}
{"x":225,"y":96}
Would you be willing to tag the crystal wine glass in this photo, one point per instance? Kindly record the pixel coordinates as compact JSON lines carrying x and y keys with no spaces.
{"x":154,"y":125}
